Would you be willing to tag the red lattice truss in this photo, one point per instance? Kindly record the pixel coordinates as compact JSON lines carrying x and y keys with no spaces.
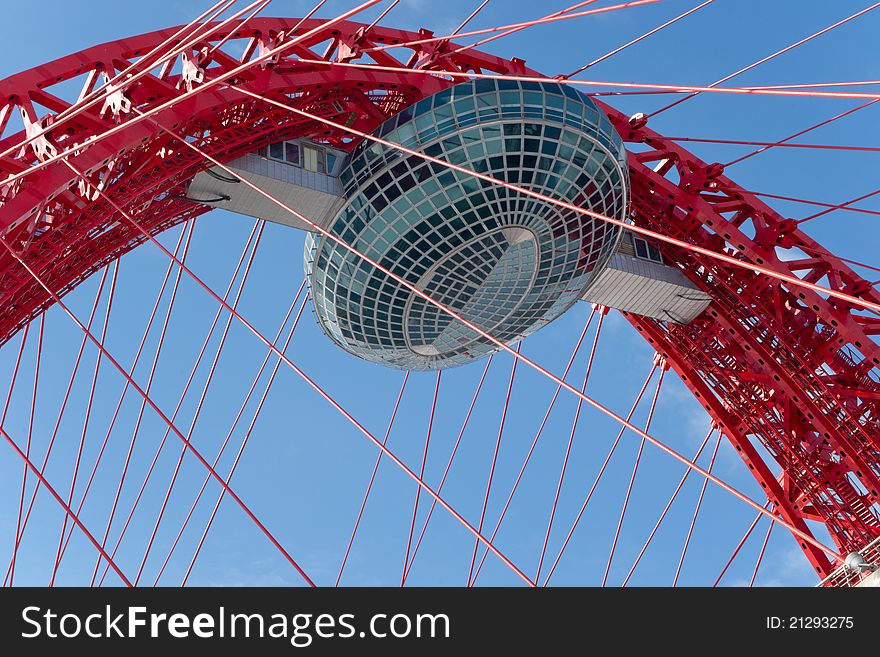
{"x":784,"y":368}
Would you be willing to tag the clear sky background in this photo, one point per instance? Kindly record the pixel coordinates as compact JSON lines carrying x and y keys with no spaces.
{"x":305,"y":468}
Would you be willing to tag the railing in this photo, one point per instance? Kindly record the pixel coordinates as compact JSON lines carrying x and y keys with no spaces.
{"x":845,"y":577}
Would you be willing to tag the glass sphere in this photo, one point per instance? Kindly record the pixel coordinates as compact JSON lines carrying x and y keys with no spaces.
{"x":505,"y":261}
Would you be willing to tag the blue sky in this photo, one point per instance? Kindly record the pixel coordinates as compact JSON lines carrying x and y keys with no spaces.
{"x":305,"y":468}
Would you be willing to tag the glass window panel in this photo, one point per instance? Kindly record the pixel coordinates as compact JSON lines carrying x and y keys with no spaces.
{"x":276,"y":151}
{"x":291,"y":153}
{"x":314,"y":159}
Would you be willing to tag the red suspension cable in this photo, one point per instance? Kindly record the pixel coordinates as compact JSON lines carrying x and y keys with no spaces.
{"x":514,"y":30}
{"x":38,"y":358}
{"x":491,"y":479}
{"x":182,"y":245}
{"x":244,"y":444}
{"x":761,"y":554}
{"x":571,"y":435}
{"x":287,"y":45}
{"x":643,"y":88}
{"x":412,"y":526}
{"x":135,"y":432}
{"x":840,"y":206}
{"x":800,"y":133}
{"x":739,"y":547}
{"x":774,"y":144}
{"x":632,"y":479}
{"x":415,"y":290}
{"x":369,"y":489}
{"x":538,"y":434}
{"x":67,"y":509}
{"x":666,"y":510}
{"x":553,"y":18}
{"x":637,"y":40}
{"x":772,"y":56}
{"x":155,"y":407}
{"x":255,"y":231}
{"x":87,"y":417}
{"x":199,"y":405}
{"x":232,"y":428}
{"x":455,"y":447}
{"x":522,"y":190}
{"x":687,"y":540}
{"x":598,"y":478}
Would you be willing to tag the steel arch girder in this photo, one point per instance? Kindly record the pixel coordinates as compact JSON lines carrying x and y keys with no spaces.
{"x":735,"y":432}
{"x":682,"y":211}
{"x":697,"y":180}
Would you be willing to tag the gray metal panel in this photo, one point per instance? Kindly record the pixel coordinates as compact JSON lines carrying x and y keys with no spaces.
{"x":872,"y":580}
{"x":647,"y":288}
{"x":315,"y":195}
{"x":625,"y":245}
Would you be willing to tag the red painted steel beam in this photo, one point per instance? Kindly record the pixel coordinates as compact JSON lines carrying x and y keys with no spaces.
{"x":700,"y":206}
{"x":713,"y":255}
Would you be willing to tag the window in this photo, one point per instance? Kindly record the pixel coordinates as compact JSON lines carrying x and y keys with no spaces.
{"x":291,"y":153}
{"x":285,"y":151}
{"x":314,"y":159}
{"x":276,"y":151}
{"x":647,"y":251}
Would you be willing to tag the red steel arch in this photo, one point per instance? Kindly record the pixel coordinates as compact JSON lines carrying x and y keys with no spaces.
{"x":775,"y":366}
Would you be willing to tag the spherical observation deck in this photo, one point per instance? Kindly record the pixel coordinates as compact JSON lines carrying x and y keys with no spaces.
{"x":507,"y":262}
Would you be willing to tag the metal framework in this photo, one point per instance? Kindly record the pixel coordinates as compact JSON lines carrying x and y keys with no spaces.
{"x":776,"y":365}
